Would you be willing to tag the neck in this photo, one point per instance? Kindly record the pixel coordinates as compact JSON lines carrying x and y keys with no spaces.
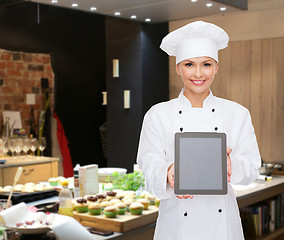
{"x":196,"y":100}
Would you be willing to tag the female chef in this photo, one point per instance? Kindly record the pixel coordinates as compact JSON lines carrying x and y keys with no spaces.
{"x":196,"y":109}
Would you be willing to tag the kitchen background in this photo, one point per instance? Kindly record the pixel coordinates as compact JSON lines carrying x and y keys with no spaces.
{"x":82,"y":45}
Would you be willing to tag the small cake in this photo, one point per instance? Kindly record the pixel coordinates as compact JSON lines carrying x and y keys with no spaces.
{"x":29,"y":185}
{"x":7,"y":188}
{"x":136,"y":208}
{"x":92,"y":199}
{"x":128,"y":202}
{"x":121,"y":208}
{"x":114,"y":201}
{"x":18,"y":188}
{"x":157,"y":202}
{"x":28,"y":190}
{"x":151,"y":198}
{"x":95,"y":209}
{"x":47,"y":187}
{"x":120,"y":195}
{"x":53,"y":181}
{"x":105,"y":204}
{"x":81,"y":205}
{"x":144,"y":201}
{"x":141,"y":195}
{"x":111,"y":211}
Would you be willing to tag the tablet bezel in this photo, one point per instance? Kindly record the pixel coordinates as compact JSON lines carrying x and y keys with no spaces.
{"x":223,"y":146}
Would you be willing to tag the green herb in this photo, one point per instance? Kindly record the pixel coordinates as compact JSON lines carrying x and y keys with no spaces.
{"x":130,"y":181}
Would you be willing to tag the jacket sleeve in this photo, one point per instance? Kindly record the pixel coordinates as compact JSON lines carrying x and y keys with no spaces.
{"x":151,"y":157}
{"x":245,"y":156}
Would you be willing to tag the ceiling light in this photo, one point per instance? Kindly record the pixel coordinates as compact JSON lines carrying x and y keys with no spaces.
{"x":54,"y":1}
{"x":133,"y":17}
{"x":193,"y":0}
{"x":74,"y":5}
{"x":223,"y":8}
{"x":93,"y":8}
{"x":209,"y":4}
{"x":117,"y":13}
{"x":147,"y":20}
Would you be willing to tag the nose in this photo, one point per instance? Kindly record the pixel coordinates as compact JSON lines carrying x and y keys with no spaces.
{"x":198,"y":72}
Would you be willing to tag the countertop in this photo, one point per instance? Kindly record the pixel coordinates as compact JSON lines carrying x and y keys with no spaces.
{"x":26,"y":160}
{"x":242,"y":193}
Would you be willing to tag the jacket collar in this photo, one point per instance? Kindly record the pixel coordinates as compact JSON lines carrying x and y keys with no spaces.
{"x":208,"y":102}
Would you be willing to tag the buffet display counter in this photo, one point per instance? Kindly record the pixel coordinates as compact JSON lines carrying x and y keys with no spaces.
{"x":35,"y":169}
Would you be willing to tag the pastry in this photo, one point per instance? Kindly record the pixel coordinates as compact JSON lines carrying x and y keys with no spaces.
{"x":136,"y":208}
{"x":53,"y":181}
{"x":157,"y":202}
{"x":151,"y":198}
{"x":95,"y":209}
{"x":121,"y":208}
{"x":105,"y":204}
{"x":111,"y":211}
{"x":82,"y":207}
{"x":145,"y":202}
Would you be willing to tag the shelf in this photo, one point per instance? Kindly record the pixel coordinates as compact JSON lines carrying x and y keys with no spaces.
{"x":270,"y":236}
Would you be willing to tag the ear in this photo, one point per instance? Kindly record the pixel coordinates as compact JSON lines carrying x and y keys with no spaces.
{"x":178,"y":69}
{"x":216,"y":68}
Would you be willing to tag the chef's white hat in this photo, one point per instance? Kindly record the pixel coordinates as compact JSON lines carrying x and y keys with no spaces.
{"x":196,"y":39}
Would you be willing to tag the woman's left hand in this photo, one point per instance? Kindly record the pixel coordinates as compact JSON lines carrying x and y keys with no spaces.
{"x":229,"y":166}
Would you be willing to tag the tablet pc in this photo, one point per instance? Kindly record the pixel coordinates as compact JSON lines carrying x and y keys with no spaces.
{"x":200,"y":163}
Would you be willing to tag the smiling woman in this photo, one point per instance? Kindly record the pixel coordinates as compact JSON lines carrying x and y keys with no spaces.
{"x":197,"y":75}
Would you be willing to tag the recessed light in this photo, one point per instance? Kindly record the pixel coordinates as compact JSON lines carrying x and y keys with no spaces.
{"x":223,"y":8}
{"x":147,"y":20}
{"x":74,"y":4}
{"x":54,"y":1}
{"x":133,"y":17}
{"x":93,"y":8}
{"x":117,"y":13}
{"x":209,"y":4}
{"x":193,"y":0}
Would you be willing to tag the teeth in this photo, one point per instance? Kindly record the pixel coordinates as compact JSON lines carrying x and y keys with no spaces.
{"x":198,"y":81}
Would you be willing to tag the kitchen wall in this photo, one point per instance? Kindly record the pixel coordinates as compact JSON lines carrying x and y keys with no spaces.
{"x":136,"y":45}
{"x":21,"y":74}
{"x":75,"y":41}
{"x":81,"y":46}
{"x":251,"y":70}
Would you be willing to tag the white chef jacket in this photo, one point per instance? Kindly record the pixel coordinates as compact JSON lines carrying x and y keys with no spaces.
{"x":207,"y":217}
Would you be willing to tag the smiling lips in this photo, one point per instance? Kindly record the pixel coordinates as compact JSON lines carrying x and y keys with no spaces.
{"x":198,"y":82}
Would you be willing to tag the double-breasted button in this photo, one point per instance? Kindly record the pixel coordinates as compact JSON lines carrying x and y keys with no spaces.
{"x":181,"y":129}
{"x":220,"y":210}
{"x":185,"y":214}
{"x":180,"y":112}
{"x":213,"y":109}
{"x":216,"y":128}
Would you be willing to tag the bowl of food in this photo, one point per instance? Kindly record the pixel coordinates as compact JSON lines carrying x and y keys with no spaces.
{"x":105,"y":174}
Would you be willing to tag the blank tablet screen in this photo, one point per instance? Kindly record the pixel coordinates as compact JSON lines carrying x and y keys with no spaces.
{"x":200,"y":163}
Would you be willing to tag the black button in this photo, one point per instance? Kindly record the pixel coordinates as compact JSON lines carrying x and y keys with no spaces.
{"x":181,"y":129}
{"x":180,"y":112}
{"x":213,"y":110}
{"x":216,"y":128}
{"x":185,"y":214}
{"x":220,"y":210}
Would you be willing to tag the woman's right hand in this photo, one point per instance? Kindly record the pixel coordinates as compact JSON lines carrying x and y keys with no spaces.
{"x":171,"y":181}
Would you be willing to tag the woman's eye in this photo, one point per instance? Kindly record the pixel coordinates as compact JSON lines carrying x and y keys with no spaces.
{"x":188,"y":64}
{"x":207,"y":64}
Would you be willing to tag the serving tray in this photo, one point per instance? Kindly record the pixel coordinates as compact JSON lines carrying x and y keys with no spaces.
{"x":122,"y":223}
{"x":18,"y":197}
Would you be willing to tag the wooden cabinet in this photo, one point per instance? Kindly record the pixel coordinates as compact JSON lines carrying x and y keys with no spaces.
{"x":262,"y":191}
{"x":34,"y":170}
